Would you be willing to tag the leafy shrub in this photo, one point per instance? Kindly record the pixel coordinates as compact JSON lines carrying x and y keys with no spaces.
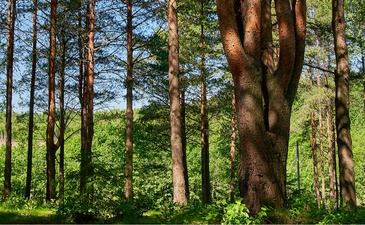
{"x":238,"y":213}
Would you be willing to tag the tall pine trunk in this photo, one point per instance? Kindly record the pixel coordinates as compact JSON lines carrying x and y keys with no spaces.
{"x":51,"y":121}
{"x":31,"y":101}
{"x":61,"y":136}
{"x":87,"y":170}
{"x":179,"y":173}
{"x":204,"y":130}
{"x":129,"y":110}
{"x":342,"y":78}
{"x":321,"y":150}
{"x":9,"y":95}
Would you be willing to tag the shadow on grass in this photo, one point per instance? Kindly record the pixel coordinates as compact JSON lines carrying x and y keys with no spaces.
{"x":16,"y":218}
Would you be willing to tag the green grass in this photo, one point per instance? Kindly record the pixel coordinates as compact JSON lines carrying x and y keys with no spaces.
{"x":33,"y":216}
{"x":190,"y":214}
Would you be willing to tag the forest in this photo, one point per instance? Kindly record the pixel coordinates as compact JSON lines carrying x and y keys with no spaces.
{"x":182,"y":111}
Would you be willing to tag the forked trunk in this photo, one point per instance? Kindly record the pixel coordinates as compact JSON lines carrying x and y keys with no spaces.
{"x":264,"y":91}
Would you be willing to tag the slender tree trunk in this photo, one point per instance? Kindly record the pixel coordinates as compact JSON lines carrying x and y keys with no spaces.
{"x":87,"y":111}
{"x":264,"y":99}
{"x":321,"y":150}
{"x":178,"y":170}
{"x":51,"y":147}
{"x":9,"y":95}
{"x":183,"y":126}
{"x":204,"y":130}
{"x":331,"y":154}
{"x":82,"y":99}
{"x":31,"y":102}
{"x":344,"y":141}
{"x":61,"y":137}
{"x":315,"y":161}
{"x":233,"y":148}
{"x":129,"y":110}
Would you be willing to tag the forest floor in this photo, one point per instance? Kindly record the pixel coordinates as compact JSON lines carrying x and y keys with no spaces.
{"x":47,"y":215}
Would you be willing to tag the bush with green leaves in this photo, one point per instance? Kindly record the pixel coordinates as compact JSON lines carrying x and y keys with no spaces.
{"x":238,"y":213}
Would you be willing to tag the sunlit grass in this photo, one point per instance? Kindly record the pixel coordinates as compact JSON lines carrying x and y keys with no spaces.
{"x":40,"y":215}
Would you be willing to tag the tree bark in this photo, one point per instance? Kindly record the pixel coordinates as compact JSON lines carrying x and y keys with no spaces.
{"x":61,"y":136}
{"x":178,"y":171}
{"x":264,"y":98}
{"x":31,"y":101}
{"x":204,"y":130}
{"x":51,"y":121}
{"x":87,"y":169}
{"x":233,"y":148}
{"x":9,"y":95}
{"x":331,"y":154}
{"x":321,"y":150}
{"x":129,"y":109}
{"x":344,"y":141}
{"x":183,"y":126}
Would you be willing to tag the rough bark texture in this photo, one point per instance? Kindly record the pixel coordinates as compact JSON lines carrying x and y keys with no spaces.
{"x":51,"y":121}
{"x":87,"y":130}
{"x":204,"y":129}
{"x":178,"y":170}
{"x":129,"y":109}
{"x":264,"y":94}
{"x":31,"y":101}
{"x":233,"y":149}
{"x":344,"y":141}
{"x":9,"y":95}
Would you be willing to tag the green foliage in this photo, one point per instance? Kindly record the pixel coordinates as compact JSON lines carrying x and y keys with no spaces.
{"x":238,"y":213}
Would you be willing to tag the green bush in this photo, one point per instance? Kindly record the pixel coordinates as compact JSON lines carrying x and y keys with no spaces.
{"x":238,"y":213}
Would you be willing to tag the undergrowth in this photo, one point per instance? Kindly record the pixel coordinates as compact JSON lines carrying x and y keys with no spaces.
{"x":301,"y":209}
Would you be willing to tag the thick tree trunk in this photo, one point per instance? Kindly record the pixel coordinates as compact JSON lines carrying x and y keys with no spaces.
{"x":51,"y":121}
{"x":178,"y":170}
{"x":264,"y":96}
{"x":9,"y":95}
{"x":204,"y":130}
{"x":233,"y":148}
{"x":344,"y":141}
{"x":129,"y":109}
{"x":315,"y":160}
{"x":31,"y":102}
